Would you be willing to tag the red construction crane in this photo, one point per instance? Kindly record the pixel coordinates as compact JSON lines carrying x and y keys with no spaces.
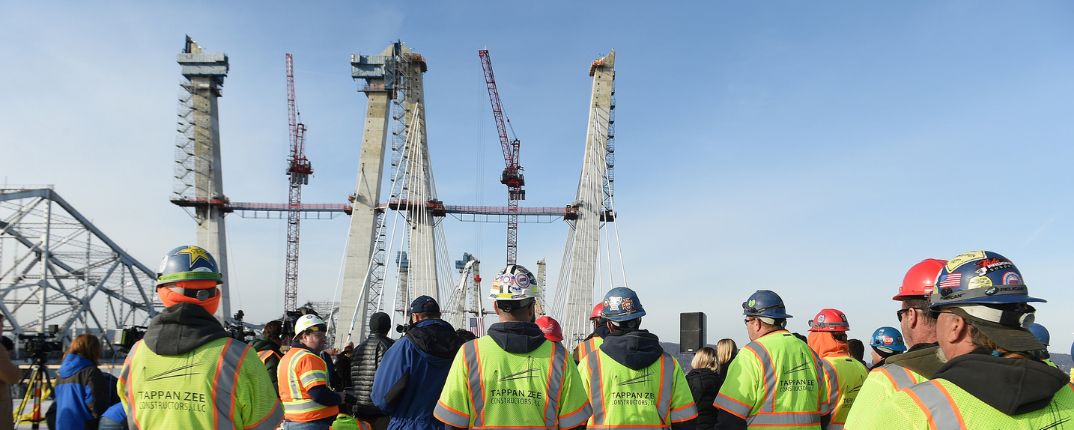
{"x":512,"y":174}
{"x":299,"y":170}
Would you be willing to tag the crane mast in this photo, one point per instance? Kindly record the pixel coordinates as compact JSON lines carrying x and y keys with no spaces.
{"x":299,"y":170}
{"x":512,"y":175}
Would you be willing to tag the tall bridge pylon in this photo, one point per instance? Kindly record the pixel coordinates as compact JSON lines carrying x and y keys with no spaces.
{"x":393,"y":85}
{"x":579,"y":287}
{"x":199,"y":182}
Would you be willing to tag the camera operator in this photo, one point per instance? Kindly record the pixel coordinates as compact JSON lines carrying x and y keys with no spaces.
{"x":9,"y":375}
{"x":82,"y":391}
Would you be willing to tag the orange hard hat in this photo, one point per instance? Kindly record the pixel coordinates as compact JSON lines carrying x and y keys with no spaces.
{"x":829,"y":320}
{"x":598,"y":311}
{"x":920,"y":279}
{"x":550,"y":328}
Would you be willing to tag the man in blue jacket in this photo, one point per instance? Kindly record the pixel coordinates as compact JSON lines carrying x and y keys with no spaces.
{"x":423,"y":355}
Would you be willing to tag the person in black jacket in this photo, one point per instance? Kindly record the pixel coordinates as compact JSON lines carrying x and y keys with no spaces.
{"x":704,"y":385}
{"x":364,"y":363}
{"x":268,"y":348}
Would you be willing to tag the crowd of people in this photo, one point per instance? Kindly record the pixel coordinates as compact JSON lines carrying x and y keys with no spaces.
{"x":967,"y":355}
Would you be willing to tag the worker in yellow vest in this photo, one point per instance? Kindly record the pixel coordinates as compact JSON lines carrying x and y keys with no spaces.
{"x":828,"y":338}
{"x":596,"y":338}
{"x":308,"y":402}
{"x":775,"y":380}
{"x":630,"y":380}
{"x":992,"y":379}
{"x":923,"y":358}
{"x":186,"y":372}
{"x":513,"y":377}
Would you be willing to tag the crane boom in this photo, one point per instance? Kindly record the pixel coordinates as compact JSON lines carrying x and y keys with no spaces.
{"x":512,"y":173}
{"x":298,"y":171}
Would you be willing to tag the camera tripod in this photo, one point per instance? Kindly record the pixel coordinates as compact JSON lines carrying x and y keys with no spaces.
{"x":38,"y":388}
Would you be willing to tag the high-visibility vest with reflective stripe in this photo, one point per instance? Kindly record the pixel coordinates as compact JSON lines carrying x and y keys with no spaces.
{"x":881,"y":384}
{"x":848,"y":375}
{"x":219,"y":385}
{"x":298,"y":372}
{"x":649,"y":398}
{"x":586,"y":347}
{"x":940,"y":405}
{"x":488,"y":387}
{"x":776,"y":381}
{"x":264,"y":355}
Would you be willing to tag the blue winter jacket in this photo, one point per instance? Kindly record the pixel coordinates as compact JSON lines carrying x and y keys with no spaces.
{"x":422,"y":358}
{"x":82,"y":394}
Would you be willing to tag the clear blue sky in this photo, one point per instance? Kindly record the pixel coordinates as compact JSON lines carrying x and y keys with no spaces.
{"x":813,"y":148}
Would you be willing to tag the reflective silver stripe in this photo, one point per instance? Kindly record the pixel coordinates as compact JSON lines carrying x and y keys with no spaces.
{"x":687,"y":412}
{"x":833,"y":386}
{"x":596,"y":387}
{"x":450,"y":417}
{"x":941,"y":411}
{"x":769,"y":403}
{"x":271,"y":421}
{"x":735,"y":408}
{"x":783,"y":419}
{"x":299,"y":406}
{"x":224,"y":383}
{"x":899,"y":376}
{"x":292,"y":381}
{"x":663,"y":408}
{"x":576,"y":418}
{"x":129,"y":388}
{"x":477,"y":393}
{"x":834,"y":426}
{"x":314,"y":376}
{"x":555,"y":385}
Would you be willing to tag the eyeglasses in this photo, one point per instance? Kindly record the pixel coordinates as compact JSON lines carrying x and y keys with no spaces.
{"x":899,"y":313}
{"x":746,"y":320}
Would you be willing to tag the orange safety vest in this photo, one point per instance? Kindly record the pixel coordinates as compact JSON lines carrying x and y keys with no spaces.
{"x":264,"y":355}
{"x":298,"y":372}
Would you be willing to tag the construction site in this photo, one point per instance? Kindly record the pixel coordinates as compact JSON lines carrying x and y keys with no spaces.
{"x":61,"y":276}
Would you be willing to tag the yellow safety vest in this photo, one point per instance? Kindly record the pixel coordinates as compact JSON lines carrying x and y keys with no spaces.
{"x":219,"y":385}
{"x":940,"y":405}
{"x":583,"y":349}
{"x":651,"y":398}
{"x":488,"y":387}
{"x":777,"y":381}
{"x":849,"y":375}
{"x":881,"y":384}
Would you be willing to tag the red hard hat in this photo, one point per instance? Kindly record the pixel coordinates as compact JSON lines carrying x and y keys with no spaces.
{"x":598,"y":310}
{"x":829,"y":320}
{"x":920,"y":279}
{"x":550,"y":328}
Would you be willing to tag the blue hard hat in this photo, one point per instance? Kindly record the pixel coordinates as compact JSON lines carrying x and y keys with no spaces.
{"x":622,"y":304}
{"x":887,"y":339}
{"x":765,"y":303}
{"x":1041,"y":333}
{"x":979,"y":278}
{"x":188,"y":263}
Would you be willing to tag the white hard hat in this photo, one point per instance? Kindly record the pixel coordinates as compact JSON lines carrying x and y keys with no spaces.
{"x":305,"y":322}
{"x":513,"y":283}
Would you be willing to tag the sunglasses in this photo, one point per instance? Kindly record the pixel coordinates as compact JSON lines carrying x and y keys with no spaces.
{"x":899,"y":313}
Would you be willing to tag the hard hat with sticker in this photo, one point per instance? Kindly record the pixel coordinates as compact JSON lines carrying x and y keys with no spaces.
{"x":979,"y":277}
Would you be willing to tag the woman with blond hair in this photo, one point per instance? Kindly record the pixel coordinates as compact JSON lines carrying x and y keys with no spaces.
{"x":82,"y":391}
{"x":704,"y":383}
{"x":726,"y":350}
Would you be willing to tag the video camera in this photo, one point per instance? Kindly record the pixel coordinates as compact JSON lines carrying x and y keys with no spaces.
{"x":39,"y":345}
{"x":236,"y":329}
{"x":129,"y":336}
